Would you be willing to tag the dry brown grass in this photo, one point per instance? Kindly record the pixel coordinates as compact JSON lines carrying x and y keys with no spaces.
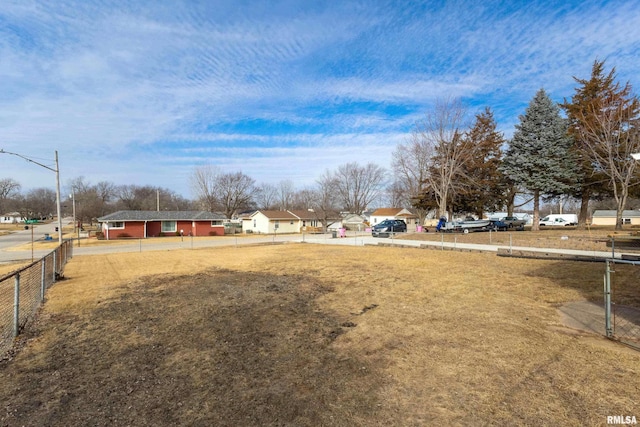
{"x":318,"y":335}
{"x":11,"y":267}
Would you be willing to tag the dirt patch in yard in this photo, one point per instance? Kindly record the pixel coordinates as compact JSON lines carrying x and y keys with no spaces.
{"x":214,"y":348}
{"x":312,"y":335}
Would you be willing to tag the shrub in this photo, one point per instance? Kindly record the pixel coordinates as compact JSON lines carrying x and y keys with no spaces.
{"x":100,"y":235}
{"x":124,"y":235}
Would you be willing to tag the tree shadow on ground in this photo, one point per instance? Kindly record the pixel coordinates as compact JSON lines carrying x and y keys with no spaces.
{"x":588,"y":278}
{"x":215,"y":348}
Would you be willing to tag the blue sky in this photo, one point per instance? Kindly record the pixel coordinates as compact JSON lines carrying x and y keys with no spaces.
{"x":141,"y":92}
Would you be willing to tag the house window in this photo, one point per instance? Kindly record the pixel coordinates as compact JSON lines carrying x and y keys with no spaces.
{"x":169,"y":226}
{"x":117,"y":224}
{"x":626,"y":220}
{"x":216,"y":223}
{"x":291,"y":223}
{"x":254,"y":223}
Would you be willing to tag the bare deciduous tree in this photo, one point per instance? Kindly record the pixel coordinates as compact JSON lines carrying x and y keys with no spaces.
{"x":226,"y":192}
{"x":266,"y":196}
{"x":608,"y":128}
{"x":235,"y":191}
{"x":203,"y":185}
{"x":323,"y":200}
{"x":410,"y":163}
{"x":39,"y":203}
{"x":286,"y":192}
{"x":358,"y":186}
{"x":8,"y":188}
{"x":440,"y":135}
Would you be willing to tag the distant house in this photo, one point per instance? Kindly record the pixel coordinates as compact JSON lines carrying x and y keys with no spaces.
{"x":350,"y":222}
{"x":143,"y":224}
{"x":11,"y":218}
{"x":381,"y":214}
{"x":269,"y":221}
{"x":608,"y":217}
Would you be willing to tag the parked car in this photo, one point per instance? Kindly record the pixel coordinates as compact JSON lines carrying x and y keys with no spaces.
{"x":388,"y":227}
{"x":499,"y":225}
{"x":514,"y":222}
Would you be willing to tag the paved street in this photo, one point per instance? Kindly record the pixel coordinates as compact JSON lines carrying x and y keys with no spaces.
{"x":144,"y":245}
{"x":37,"y":233}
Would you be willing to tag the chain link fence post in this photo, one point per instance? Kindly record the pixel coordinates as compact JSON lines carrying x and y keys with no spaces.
{"x":607,"y":301}
{"x":16,"y":305}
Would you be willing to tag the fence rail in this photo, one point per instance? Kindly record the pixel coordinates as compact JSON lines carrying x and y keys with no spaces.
{"x":23,"y":291}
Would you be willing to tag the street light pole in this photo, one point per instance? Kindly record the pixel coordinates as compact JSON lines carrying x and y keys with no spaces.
{"x":73,"y":203}
{"x":57,"y":171}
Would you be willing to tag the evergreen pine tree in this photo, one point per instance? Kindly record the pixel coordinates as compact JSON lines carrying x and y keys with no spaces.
{"x":540,"y":158}
{"x":485,"y":184}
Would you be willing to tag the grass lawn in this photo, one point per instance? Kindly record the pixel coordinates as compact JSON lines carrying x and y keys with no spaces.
{"x":310,"y":335}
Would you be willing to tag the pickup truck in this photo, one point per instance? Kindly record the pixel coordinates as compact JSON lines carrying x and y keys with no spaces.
{"x":514,"y":222}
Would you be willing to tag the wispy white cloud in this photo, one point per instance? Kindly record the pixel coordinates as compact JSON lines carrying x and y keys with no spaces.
{"x":143,"y":91}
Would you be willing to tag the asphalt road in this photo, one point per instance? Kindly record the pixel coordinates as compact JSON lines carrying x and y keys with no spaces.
{"x":36,"y":232}
{"x":152,"y":244}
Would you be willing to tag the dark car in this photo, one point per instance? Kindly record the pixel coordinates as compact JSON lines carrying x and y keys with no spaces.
{"x":388,"y":227}
{"x":499,"y":225}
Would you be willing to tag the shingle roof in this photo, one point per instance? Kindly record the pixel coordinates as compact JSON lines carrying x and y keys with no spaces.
{"x":161,"y":216}
{"x":276,"y":214}
{"x":302,"y":214}
{"x":386,"y":211}
{"x":604,"y":213}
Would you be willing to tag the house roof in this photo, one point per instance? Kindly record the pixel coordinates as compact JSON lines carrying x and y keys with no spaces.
{"x":353,"y":218}
{"x":161,"y":216}
{"x":303,"y":214}
{"x":604,"y":213}
{"x":276,"y":214}
{"x":392,"y":212}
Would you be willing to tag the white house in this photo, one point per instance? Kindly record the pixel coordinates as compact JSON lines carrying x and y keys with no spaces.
{"x":608,"y":217}
{"x":269,"y":222}
{"x":381,"y":214}
{"x":11,"y":218}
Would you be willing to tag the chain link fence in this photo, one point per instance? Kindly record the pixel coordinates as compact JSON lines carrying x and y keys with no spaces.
{"x":23,"y":291}
{"x":622,"y":321}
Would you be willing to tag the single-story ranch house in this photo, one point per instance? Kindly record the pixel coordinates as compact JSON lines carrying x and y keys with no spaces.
{"x":11,"y":218}
{"x":608,"y":217}
{"x":269,"y":222}
{"x":143,"y":224}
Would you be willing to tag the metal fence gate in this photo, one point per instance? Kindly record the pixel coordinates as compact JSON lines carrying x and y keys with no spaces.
{"x":23,"y":291}
{"x":622,"y":322}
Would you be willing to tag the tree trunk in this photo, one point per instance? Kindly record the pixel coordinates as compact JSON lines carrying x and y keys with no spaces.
{"x":584,"y":210}
{"x":536,"y":211}
{"x":621,"y":199}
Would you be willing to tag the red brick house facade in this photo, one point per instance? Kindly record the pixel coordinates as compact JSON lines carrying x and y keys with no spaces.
{"x":143,"y":224}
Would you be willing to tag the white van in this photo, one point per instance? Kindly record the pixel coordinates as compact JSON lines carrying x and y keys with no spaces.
{"x":560,"y":219}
